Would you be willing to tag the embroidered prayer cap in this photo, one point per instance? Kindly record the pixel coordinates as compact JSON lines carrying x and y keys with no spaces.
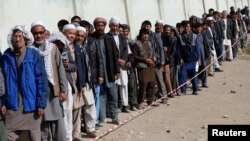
{"x":100,"y":20}
{"x":26,"y":34}
{"x":68,"y":26}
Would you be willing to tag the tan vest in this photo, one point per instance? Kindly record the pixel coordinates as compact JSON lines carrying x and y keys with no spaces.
{"x":56,"y":86}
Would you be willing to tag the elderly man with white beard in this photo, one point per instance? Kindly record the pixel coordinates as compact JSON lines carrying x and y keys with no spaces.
{"x":122,"y":48}
{"x":53,"y":121}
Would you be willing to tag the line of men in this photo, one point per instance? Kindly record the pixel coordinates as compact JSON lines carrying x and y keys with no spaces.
{"x":56,"y":82}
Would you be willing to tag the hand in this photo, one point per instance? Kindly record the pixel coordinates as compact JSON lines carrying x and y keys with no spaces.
{"x":165,"y":49}
{"x":199,"y":62}
{"x":149,"y":61}
{"x":65,"y":63}
{"x":62,"y":96}
{"x":182,"y":62}
{"x":100,"y":80}
{"x":162,"y":65}
{"x":121,"y":62}
{"x":83,"y":90}
{"x":117,"y":76}
{"x":3,"y":109}
{"x":129,"y":64}
{"x":40,"y":112}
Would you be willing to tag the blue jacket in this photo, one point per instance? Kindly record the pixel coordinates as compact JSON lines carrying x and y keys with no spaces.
{"x":34,"y":82}
{"x":188,"y":49}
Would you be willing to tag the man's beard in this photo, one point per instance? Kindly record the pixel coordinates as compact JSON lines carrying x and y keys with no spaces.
{"x":100,"y":32}
{"x":39,"y":42}
{"x":115,"y":33}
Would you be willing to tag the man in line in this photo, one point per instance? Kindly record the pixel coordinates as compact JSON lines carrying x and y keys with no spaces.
{"x":85,"y":97}
{"x":3,"y":136}
{"x":110,"y":56}
{"x":69,"y":31}
{"x":122,"y":60}
{"x":189,"y":55}
{"x":228,"y":35}
{"x":159,"y":59}
{"x":26,"y":86}
{"x":53,"y":118}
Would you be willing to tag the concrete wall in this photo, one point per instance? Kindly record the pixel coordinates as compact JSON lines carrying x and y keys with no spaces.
{"x":133,"y":12}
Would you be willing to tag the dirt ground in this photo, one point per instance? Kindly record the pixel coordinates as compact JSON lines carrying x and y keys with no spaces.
{"x":185,"y":118}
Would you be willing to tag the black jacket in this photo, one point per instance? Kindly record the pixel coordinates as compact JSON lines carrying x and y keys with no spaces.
{"x":123,"y":48}
{"x":229,"y":33}
{"x":170,"y":44}
{"x":219,"y":30}
{"x":112,"y":54}
{"x":81,"y":69}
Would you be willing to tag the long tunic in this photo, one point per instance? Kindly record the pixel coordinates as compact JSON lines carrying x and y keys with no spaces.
{"x":54,"y":109}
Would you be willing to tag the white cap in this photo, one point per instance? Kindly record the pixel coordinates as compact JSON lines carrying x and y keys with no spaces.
{"x":114,"y":20}
{"x":80,"y":28}
{"x":37,"y":23}
{"x":159,"y":21}
{"x":210,"y":18}
{"x":68,"y":26}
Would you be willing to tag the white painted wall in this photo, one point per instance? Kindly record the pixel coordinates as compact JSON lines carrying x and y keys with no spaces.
{"x":231,"y":3}
{"x":13,"y":12}
{"x":140,"y":10}
{"x":239,"y":4}
{"x":170,"y":16}
{"x":245,"y":3}
{"x":210,"y":4}
{"x":222,"y":5}
{"x":195,"y":7}
{"x":90,"y":9}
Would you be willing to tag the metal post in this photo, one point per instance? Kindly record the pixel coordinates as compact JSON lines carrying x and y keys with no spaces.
{"x":217,"y":5}
{"x":185,"y":9}
{"x":204,"y":6}
{"x":74,"y":7}
{"x":161,"y":9}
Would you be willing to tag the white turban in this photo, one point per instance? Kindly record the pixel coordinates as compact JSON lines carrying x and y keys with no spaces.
{"x":68,"y":26}
{"x":210,"y":18}
{"x":114,"y":20}
{"x":60,"y":37}
{"x":80,"y":28}
{"x":26,"y":34}
{"x":159,"y":21}
{"x":37,"y":23}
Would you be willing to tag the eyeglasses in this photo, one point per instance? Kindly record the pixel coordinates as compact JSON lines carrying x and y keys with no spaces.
{"x":38,"y":32}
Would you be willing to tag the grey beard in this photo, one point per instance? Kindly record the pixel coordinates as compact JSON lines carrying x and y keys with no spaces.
{"x":114,"y":33}
{"x":39,"y":42}
{"x":78,"y":43}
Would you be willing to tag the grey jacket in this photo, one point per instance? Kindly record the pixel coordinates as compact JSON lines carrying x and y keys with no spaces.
{"x":2,"y":86}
